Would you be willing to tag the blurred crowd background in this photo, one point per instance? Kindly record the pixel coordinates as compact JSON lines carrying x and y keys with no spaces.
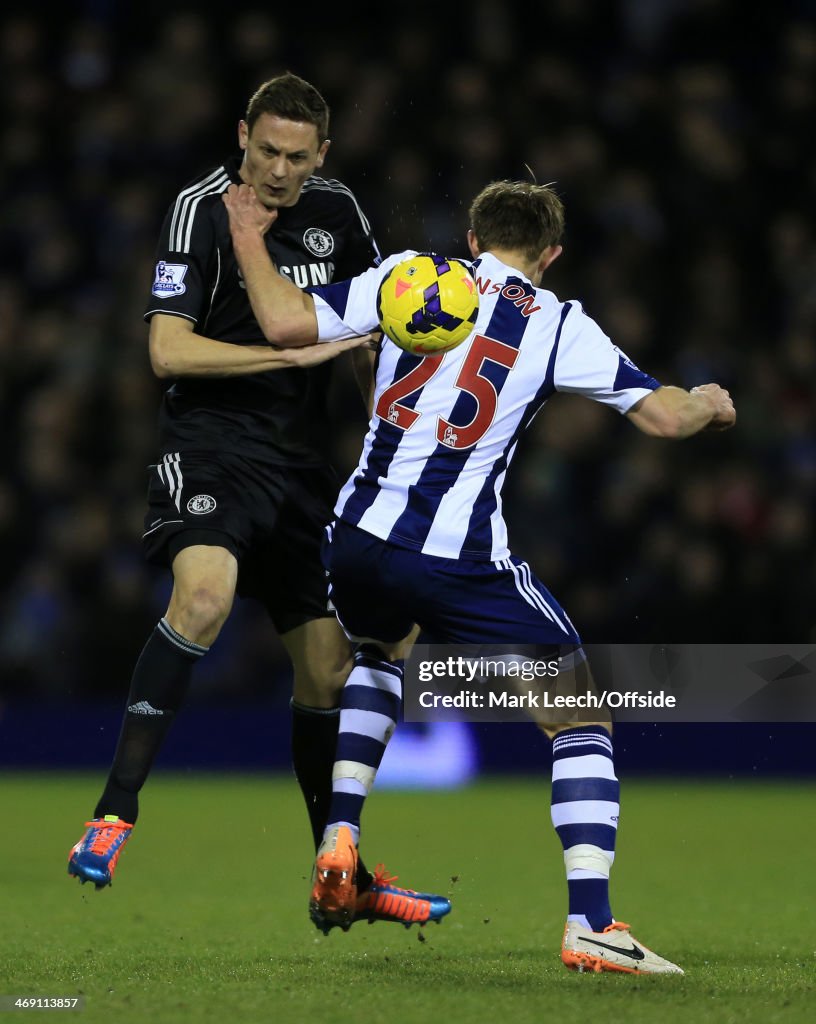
{"x":680,"y":134}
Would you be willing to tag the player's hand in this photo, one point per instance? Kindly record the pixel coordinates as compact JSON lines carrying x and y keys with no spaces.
{"x":725,"y":415}
{"x":246,"y":212}
{"x":314,"y":355}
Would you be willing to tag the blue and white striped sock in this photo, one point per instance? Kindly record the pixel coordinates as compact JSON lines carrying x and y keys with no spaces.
{"x":370,"y":706}
{"x":585,"y":809}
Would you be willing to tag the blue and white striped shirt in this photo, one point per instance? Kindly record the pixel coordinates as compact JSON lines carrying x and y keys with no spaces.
{"x":445,"y":428}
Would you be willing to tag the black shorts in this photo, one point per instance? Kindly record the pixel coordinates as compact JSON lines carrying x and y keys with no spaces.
{"x":270,"y":517}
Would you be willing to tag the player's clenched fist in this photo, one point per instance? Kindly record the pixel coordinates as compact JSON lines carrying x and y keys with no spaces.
{"x":725,"y":415}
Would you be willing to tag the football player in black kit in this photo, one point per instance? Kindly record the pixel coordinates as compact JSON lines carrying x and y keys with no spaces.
{"x":242,"y":489}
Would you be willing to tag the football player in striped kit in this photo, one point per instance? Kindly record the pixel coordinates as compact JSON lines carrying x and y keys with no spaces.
{"x":242,"y":490}
{"x":418,"y":534}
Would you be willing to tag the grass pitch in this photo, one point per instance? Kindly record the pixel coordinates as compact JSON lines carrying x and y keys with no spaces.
{"x":206,"y":920}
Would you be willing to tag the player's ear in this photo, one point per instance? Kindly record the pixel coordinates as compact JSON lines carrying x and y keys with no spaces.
{"x":321,"y":153}
{"x":473,"y":243}
{"x":243,"y":134}
{"x":548,"y":256}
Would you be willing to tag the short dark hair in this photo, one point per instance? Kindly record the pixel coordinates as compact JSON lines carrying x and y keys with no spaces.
{"x":293,"y":99}
{"x":517,"y":215}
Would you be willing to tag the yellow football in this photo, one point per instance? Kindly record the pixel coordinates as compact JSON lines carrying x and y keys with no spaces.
{"x":428,"y":304}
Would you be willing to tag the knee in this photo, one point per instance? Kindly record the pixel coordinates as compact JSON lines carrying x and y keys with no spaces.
{"x":320,"y":685}
{"x":200,"y":613}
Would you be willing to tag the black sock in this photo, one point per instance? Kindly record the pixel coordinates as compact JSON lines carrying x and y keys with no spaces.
{"x":314,"y":740}
{"x":158,"y":687}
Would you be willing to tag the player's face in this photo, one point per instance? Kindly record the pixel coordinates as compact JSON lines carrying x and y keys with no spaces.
{"x":279,"y":156}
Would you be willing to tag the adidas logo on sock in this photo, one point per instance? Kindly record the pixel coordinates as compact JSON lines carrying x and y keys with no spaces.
{"x":144,"y":707}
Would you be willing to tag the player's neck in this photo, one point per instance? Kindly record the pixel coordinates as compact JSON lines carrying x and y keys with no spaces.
{"x":518,"y":261}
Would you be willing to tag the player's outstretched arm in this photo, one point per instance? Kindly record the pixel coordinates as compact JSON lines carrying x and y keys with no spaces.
{"x":676,"y":413}
{"x":176,"y":351}
{"x":285,"y":314}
